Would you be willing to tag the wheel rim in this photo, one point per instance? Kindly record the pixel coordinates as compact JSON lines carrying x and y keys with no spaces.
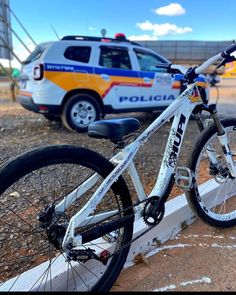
{"x":221,"y":203}
{"x":27,"y":247}
{"x":83,"y":113}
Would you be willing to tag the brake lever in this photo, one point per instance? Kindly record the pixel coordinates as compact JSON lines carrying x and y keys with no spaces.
{"x":226,"y":60}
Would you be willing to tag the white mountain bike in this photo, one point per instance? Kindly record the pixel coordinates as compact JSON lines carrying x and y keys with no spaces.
{"x":66,"y":215}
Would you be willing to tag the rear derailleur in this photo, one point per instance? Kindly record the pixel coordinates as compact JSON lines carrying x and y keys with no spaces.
{"x":55,"y":233}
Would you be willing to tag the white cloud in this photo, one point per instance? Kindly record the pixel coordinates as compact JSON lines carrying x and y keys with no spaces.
{"x":159,"y":30}
{"x":172,"y":9}
{"x":142,"y":38}
{"x":145,"y":26}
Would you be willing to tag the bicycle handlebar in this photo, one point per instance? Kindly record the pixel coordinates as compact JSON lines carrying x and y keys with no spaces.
{"x":207,"y":63}
{"x":229,"y":50}
{"x":193,"y":72}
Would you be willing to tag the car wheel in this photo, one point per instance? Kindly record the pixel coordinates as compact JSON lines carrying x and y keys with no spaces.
{"x":79,"y":111}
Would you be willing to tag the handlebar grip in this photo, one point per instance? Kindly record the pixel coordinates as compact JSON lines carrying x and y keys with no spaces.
{"x":229,"y":50}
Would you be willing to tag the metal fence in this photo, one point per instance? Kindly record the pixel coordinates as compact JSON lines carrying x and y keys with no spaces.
{"x":186,"y":52}
{"x":5,"y":30}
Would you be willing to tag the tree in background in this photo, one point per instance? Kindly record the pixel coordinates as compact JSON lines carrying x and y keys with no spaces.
{"x":15,"y":73}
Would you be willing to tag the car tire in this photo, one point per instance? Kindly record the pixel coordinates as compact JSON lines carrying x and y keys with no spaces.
{"x":79,"y":111}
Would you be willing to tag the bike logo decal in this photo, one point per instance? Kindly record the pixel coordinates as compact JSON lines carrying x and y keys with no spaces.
{"x":195,"y":95}
{"x":150,"y":132}
{"x":151,"y":98}
{"x":177,"y":141}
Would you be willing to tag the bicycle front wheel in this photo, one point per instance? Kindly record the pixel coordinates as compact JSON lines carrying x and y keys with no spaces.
{"x":213,"y":197}
{"x":31,"y":257}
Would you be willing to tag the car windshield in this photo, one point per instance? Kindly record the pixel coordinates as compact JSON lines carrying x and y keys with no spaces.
{"x":148,"y":61}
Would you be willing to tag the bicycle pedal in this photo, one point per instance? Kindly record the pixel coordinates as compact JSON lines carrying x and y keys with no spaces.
{"x":184,"y":178}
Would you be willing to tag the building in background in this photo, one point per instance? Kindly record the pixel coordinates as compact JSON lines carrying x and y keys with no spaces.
{"x":230,"y":70}
{"x":6,"y":47}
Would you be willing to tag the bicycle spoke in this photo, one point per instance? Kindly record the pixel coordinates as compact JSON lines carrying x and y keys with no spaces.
{"x":219,"y":208}
{"x":36,"y":236}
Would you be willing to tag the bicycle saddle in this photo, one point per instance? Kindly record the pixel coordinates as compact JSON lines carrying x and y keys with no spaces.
{"x":113,"y":129}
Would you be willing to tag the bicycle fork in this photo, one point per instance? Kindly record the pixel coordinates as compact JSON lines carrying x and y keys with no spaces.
{"x":224,"y":142}
{"x":184,"y":177}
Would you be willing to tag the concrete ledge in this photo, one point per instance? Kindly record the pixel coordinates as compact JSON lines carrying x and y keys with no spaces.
{"x":177,"y":216}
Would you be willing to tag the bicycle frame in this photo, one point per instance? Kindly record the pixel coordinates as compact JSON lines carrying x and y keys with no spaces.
{"x":181,"y":109}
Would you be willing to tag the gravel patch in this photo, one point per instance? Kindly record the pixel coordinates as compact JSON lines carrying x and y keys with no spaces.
{"x":22,"y":130}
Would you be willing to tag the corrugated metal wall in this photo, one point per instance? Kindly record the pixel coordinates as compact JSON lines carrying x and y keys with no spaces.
{"x":186,"y":52}
{"x":5,"y":31}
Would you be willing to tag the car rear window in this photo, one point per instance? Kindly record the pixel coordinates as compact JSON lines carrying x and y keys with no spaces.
{"x":38,"y":51}
{"x":78,"y":53}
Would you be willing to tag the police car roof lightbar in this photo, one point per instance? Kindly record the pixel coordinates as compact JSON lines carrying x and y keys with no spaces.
{"x":119,"y":37}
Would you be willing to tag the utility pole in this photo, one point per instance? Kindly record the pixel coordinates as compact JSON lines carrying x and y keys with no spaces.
{"x":6,"y":48}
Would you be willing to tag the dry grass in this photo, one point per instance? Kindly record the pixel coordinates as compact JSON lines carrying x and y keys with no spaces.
{"x":6,"y":91}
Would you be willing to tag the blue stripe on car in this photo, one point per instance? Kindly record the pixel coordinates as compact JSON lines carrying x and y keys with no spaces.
{"x":111,"y":72}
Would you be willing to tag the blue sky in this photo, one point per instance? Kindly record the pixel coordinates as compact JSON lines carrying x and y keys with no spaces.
{"x":139,"y":20}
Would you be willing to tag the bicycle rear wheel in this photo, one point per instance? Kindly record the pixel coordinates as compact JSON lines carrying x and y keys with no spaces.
{"x":30,"y":259}
{"x":213,"y":197}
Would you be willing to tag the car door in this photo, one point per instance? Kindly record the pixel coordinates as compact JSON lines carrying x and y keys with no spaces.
{"x":158,"y":88}
{"x":116,"y":76}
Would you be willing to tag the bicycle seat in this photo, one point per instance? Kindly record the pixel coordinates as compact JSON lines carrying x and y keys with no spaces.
{"x":113,"y":129}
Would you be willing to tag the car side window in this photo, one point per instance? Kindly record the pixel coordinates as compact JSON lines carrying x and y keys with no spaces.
{"x":78,"y":53}
{"x":148,"y":62}
{"x":117,"y":58}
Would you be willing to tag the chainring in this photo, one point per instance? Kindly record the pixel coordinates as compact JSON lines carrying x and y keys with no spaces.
{"x":153,"y":212}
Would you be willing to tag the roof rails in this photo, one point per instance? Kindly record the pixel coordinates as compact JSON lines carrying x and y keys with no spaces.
{"x":98,"y":39}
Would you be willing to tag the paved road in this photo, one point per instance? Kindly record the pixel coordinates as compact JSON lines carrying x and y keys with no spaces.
{"x":200,"y":258}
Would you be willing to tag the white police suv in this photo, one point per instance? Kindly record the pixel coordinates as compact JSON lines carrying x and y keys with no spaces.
{"x":79,"y":79}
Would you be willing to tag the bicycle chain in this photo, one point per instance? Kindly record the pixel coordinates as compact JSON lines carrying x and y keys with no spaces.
{"x":123,"y":211}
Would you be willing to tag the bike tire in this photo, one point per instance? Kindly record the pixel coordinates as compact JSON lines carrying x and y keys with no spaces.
{"x":28,"y":184}
{"x":212,"y":196}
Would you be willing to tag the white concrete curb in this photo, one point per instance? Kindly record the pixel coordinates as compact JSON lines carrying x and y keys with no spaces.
{"x":177,"y":216}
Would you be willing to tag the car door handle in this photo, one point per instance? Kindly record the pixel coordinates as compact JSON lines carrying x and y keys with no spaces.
{"x":105,"y":77}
